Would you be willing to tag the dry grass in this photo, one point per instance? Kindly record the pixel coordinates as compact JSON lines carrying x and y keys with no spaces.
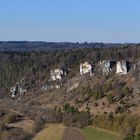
{"x":26,"y":125}
{"x":72,"y":133}
{"x":51,"y":132}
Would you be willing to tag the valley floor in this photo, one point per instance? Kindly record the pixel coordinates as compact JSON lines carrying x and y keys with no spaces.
{"x":92,"y":133}
{"x":60,"y":132}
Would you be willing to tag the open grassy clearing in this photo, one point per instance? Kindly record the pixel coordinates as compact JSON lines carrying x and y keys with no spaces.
{"x":51,"y":132}
{"x":92,"y":133}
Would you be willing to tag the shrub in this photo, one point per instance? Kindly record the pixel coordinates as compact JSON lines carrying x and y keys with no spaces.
{"x":118,"y":123}
{"x":5,"y":135}
{"x":2,"y":127}
{"x":96,"y":94}
{"x":137,"y":136}
{"x":107,"y":87}
{"x":15,"y":134}
{"x":39,"y":124}
{"x":110,"y":98}
{"x":138,"y":127}
{"x":11,"y":117}
{"x":120,"y":109}
{"x":73,"y":117}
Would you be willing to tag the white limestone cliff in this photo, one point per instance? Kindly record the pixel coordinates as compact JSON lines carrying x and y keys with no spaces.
{"x":106,"y":66}
{"x":85,"y":68}
{"x":56,"y":74}
{"x":121,"y":68}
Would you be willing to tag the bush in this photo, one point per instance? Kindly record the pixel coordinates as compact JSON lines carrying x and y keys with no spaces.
{"x":2,"y":127}
{"x":39,"y":124}
{"x":107,"y":87}
{"x":128,"y":138}
{"x":79,"y":119}
{"x":73,"y":117}
{"x":138,"y":127}
{"x":137,"y":136}
{"x":11,"y":117}
{"x":15,"y":134}
{"x":110,"y":98}
{"x":118,"y":123}
{"x":120,"y":109}
{"x":5,"y":135}
{"x":19,"y":134}
{"x":97,"y":93}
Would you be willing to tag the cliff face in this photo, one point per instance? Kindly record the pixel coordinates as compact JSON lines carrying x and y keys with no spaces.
{"x":121,"y":68}
{"x":86,"y":68}
{"x":56,"y":74}
{"x":58,"y":77}
{"x":106,"y":66}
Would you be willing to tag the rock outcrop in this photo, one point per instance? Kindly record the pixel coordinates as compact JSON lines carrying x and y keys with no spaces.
{"x":86,"y":68}
{"x":121,"y":68}
{"x":105,"y":64}
{"x":19,"y":88}
{"x":56,"y":74}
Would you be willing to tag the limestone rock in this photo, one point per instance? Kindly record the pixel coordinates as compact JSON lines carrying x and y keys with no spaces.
{"x":121,"y":67}
{"x":85,"y":68}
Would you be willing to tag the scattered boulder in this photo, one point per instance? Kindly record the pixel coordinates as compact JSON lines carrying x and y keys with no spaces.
{"x":19,"y":88}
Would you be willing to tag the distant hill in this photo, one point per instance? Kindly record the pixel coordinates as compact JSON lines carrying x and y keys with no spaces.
{"x":51,"y":46}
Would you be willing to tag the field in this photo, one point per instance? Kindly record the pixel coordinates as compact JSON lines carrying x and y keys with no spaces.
{"x":98,"y":134}
{"x":60,"y":132}
{"x":51,"y":132}
{"x":71,"y":133}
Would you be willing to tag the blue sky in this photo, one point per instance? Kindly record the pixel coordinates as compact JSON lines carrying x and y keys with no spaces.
{"x":70,"y":20}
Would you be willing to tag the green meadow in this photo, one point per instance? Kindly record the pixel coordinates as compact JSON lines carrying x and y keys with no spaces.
{"x":92,"y":133}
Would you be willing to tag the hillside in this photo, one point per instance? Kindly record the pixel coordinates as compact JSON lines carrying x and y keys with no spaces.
{"x":102,"y":92}
{"x":75,"y":86}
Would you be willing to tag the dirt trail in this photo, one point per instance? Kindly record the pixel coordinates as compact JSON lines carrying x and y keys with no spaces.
{"x":71,"y":133}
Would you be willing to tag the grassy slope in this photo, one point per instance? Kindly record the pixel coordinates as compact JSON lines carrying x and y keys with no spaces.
{"x":26,"y":125}
{"x":51,"y":132}
{"x":98,"y":134}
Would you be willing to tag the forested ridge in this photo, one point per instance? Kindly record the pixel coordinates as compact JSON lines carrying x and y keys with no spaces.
{"x":14,"y":65}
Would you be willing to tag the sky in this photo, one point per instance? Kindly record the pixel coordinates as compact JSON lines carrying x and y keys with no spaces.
{"x":109,"y":21}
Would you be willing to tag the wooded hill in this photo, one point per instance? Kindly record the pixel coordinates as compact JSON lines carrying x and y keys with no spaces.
{"x":15,"y":65}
